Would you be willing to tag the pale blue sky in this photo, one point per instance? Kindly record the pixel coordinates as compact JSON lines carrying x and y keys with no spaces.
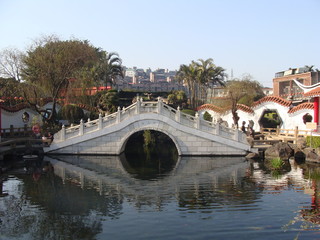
{"x":257,"y":37}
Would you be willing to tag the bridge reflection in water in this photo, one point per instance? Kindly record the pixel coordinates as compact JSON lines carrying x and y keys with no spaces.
{"x":103,"y":197}
{"x":113,"y":173}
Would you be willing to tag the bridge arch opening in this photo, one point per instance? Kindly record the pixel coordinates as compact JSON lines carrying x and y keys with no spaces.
{"x":149,"y":154}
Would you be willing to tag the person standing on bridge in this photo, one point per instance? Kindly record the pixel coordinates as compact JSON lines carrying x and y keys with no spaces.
{"x":243,"y":127}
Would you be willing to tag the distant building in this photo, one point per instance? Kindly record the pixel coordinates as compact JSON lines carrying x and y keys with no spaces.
{"x":160,"y":80}
{"x":267,"y":91}
{"x":285,"y":87}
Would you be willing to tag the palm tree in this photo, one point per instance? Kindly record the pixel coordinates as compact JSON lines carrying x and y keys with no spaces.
{"x":188,"y":75}
{"x":309,"y":68}
{"x":108,"y":69}
{"x":210,"y":75}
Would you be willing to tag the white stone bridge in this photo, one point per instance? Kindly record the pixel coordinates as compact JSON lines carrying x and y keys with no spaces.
{"x":108,"y":135}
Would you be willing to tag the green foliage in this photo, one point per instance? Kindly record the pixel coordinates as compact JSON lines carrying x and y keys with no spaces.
{"x":177,"y":98}
{"x":270,"y":119}
{"x":207,"y":116}
{"x":313,"y":141}
{"x":72,"y":113}
{"x":313,"y":173}
{"x":189,"y":111}
{"x":276,"y":163}
{"x":148,"y":138}
{"x":243,"y":91}
{"x":109,"y":101}
{"x":198,"y":76}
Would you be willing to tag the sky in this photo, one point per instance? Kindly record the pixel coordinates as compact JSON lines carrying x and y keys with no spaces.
{"x":256,"y":37}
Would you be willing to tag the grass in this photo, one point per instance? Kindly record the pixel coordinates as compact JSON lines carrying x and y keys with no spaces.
{"x":276,"y":163}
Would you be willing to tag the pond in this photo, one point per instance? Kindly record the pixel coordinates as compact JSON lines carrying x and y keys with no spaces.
{"x":106,"y":197}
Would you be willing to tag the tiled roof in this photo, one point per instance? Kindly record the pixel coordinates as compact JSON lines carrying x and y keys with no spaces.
{"x":21,"y":106}
{"x":220,"y":110}
{"x":301,"y":106}
{"x":15,"y":108}
{"x":210,"y":107}
{"x":244,"y":108}
{"x":247,"y":109}
{"x":313,"y":93}
{"x":275,"y":99}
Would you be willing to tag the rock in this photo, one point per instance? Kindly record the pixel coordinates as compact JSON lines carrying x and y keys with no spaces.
{"x":250,"y":141}
{"x":253,"y":156}
{"x":311,"y":155}
{"x":282,"y":150}
{"x":301,"y":143}
{"x":299,"y":156}
{"x":317,"y":150}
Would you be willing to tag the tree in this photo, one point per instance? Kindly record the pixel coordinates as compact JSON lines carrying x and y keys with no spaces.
{"x":109,"y":102}
{"x":72,"y":113}
{"x":239,"y":90}
{"x":178,"y":98}
{"x":109,"y":68}
{"x":207,"y":116}
{"x":49,"y":65}
{"x":210,"y":76}
{"x":11,"y":64}
{"x":188,"y":75}
{"x":198,"y":76}
{"x":10,"y":89}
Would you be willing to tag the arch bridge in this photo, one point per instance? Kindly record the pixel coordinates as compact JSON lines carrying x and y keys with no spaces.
{"x":108,"y":135}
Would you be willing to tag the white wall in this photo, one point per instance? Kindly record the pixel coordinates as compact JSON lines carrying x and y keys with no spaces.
{"x":15,"y":118}
{"x":289,"y":121}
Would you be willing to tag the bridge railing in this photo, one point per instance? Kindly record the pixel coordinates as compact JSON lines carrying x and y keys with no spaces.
{"x":141,"y":107}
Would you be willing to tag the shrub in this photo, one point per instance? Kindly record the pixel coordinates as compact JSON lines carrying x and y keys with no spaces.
{"x":276,"y":163}
{"x":313,"y":141}
{"x":189,"y":111}
{"x":207,"y":116}
{"x":72,"y":113}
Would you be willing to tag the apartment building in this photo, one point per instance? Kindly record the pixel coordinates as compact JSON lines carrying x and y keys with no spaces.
{"x":285,"y":87}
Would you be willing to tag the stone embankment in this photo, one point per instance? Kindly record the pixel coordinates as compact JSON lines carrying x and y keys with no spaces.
{"x":298,"y":151}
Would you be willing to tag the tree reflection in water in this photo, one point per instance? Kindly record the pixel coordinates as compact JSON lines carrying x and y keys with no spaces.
{"x":86,"y":193}
{"x":49,"y":209}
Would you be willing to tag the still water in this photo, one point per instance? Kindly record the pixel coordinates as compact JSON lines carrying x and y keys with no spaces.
{"x":109,"y":197}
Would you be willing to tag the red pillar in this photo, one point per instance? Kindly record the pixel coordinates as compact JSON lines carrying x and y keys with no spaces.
{"x":316,"y":110}
{"x":0,"y":118}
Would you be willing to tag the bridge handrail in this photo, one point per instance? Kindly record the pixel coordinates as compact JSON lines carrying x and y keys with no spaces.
{"x":146,"y":107}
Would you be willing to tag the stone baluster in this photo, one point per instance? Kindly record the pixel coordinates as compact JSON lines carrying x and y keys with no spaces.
{"x":100,"y":121}
{"x":119,"y":115}
{"x":178,"y":114}
{"x":63,"y":133}
{"x":138,"y":106}
{"x":236,"y":134}
{"x":217,"y":128}
{"x":159,"y":105}
{"x":81,"y":127}
{"x":197,"y":121}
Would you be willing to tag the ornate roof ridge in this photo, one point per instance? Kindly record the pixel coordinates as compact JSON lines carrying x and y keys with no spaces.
{"x":275,"y":99}
{"x":306,"y":105}
{"x":210,"y":107}
{"x":21,"y":106}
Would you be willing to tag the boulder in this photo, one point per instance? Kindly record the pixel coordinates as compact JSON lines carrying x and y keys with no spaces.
{"x":301,"y":143}
{"x":250,"y":140}
{"x":299,"y":156}
{"x":282,"y":150}
{"x":311,"y":155}
{"x":253,"y":156}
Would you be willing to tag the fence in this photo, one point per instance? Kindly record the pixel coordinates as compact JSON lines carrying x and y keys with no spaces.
{"x":13,"y":132}
{"x":285,"y":135}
